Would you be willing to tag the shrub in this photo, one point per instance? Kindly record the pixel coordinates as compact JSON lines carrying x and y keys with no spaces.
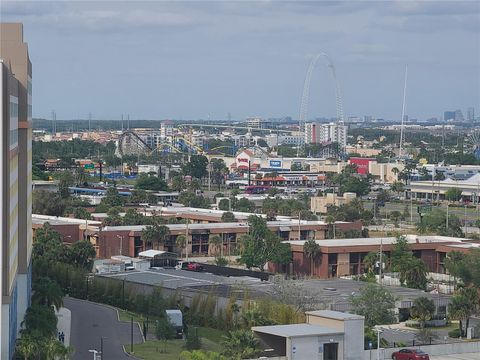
{"x":455,"y":333}
{"x":193,"y":341}
{"x":221,"y":261}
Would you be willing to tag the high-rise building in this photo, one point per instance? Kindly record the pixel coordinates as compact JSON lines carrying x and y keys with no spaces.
{"x":471,"y":114}
{"x":449,"y":115}
{"x":16,"y":183}
{"x":458,"y":115}
{"x":316,"y":133}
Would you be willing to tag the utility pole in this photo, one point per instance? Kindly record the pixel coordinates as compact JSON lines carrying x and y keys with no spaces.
{"x":131,"y":335}
{"x":186,"y":238}
{"x":381,"y":263}
{"x":89,"y":124}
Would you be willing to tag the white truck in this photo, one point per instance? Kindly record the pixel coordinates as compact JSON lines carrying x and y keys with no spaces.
{"x":175,"y":317}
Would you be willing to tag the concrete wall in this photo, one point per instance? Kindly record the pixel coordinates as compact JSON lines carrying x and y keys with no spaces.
{"x":354,"y":337}
{"x":442,"y":349}
{"x":311,"y":347}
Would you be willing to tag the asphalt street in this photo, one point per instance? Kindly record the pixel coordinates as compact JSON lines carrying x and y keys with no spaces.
{"x":470,"y":356}
{"x":91,"y":322}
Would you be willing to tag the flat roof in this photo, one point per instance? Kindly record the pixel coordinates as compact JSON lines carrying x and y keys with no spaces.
{"x":296,"y":330}
{"x":412,"y":239}
{"x":335,"y":315}
{"x":235,"y":225}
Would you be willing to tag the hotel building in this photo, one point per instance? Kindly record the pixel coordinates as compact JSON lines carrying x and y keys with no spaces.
{"x":15,"y":183}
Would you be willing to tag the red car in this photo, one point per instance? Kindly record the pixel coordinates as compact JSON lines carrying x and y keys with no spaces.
{"x":194,"y":267}
{"x":410,"y":354}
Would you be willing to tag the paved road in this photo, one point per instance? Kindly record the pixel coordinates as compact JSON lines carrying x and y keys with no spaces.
{"x":92,"y":321}
{"x":470,"y":356}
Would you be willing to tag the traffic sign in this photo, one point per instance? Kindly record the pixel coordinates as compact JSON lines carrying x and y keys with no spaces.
{"x":89,"y":166}
{"x":422,"y":209}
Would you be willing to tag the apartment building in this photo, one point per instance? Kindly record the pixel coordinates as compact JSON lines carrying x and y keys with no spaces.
{"x":16,"y":182}
{"x":316,"y":133}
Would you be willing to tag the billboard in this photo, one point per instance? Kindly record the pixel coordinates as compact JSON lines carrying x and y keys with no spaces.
{"x":275,"y":163}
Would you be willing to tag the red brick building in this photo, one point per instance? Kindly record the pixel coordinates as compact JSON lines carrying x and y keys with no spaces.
{"x":343,"y":257}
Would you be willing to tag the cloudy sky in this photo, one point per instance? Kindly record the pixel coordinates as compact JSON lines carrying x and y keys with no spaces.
{"x":194,"y":60}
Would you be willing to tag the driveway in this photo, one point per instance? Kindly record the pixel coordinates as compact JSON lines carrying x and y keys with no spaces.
{"x":91,"y":322}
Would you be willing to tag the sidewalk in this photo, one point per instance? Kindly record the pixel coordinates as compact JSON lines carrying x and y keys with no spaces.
{"x":64,"y":323}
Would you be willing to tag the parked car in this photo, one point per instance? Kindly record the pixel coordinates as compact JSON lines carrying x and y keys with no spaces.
{"x":194,"y":267}
{"x":410,"y":354}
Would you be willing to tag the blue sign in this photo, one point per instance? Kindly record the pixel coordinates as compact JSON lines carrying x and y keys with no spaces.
{"x":276,"y":163}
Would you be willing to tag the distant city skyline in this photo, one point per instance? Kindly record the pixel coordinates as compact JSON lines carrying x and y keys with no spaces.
{"x":195,"y":60}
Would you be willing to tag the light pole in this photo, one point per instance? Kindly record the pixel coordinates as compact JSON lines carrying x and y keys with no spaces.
{"x":381,"y":263}
{"x":378,"y":342}
{"x":101,"y":347}
{"x":95,"y":352}
{"x":121,"y":243}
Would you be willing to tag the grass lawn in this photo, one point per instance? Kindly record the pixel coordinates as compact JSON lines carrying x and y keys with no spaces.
{"x":169,"y":350}
{"x":127,"y":315}
{"x":156,"y":349}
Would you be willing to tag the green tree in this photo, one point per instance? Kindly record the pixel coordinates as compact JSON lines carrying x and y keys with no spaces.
{"x":240,"y":344}
{"x":164,"y":329}
{"x":375,"y":303}
{"x":395,"y":216}
{"x":216,"y":242}
{"x":81,"y":254}
{"x":27,"y":346}
{"x":261,"y":245}
{"x":435,"y":222}
{"x":463,"y":304}
{"x":466,"y":267}
{"x":423,"y":309}
{"x":155,"y":233}
{"x":150,"y":182}
{"x":228,"y":217}
{"x":181,"y":242}
{"x":412,"y":271}
{"x":48,"y":203}
{"x":218,"y":171}
{"x":196,"y":167}
{"x":311,"y":250}
{"x":81,"y":213}
{"x":398,"y":187}
{"x":178,"y":183}
{"x":47,"y":292}
{"x":453,"y":194}
{"x":42,"y":320}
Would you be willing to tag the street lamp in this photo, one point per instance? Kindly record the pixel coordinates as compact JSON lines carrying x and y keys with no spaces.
{"x":121,"y":243}
{"x":95,"y":352}
{"x":379,"y":331}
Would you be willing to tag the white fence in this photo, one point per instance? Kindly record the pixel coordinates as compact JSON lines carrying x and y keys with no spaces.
{"x":441,"y":349}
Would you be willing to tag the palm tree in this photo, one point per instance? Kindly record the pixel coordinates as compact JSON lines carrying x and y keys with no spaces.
{"x":181,"y":242}
{"x":423,"y":309}
{"x":370,"y":261}
{"x":217,"y":242}
{"x":47,"y":292}
{"x":27,"y":346}
{"x":462,"y":306}
{"x":160,"y":233}
{"x":330,"y":220}
{"x":395,"y":171}
{"x":311,"y":250}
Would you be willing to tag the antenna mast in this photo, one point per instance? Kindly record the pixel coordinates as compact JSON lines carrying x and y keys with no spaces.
{"x":400,"y":152}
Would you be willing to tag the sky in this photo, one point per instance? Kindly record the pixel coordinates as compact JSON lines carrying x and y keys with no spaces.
{"x":203,"y":60}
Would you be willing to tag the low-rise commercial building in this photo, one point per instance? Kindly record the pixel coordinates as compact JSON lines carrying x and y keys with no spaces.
{"x":320,"y":204}
{"x":344,"y":257}
{"x":328,"y":335}
{"x":127,"y":240}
